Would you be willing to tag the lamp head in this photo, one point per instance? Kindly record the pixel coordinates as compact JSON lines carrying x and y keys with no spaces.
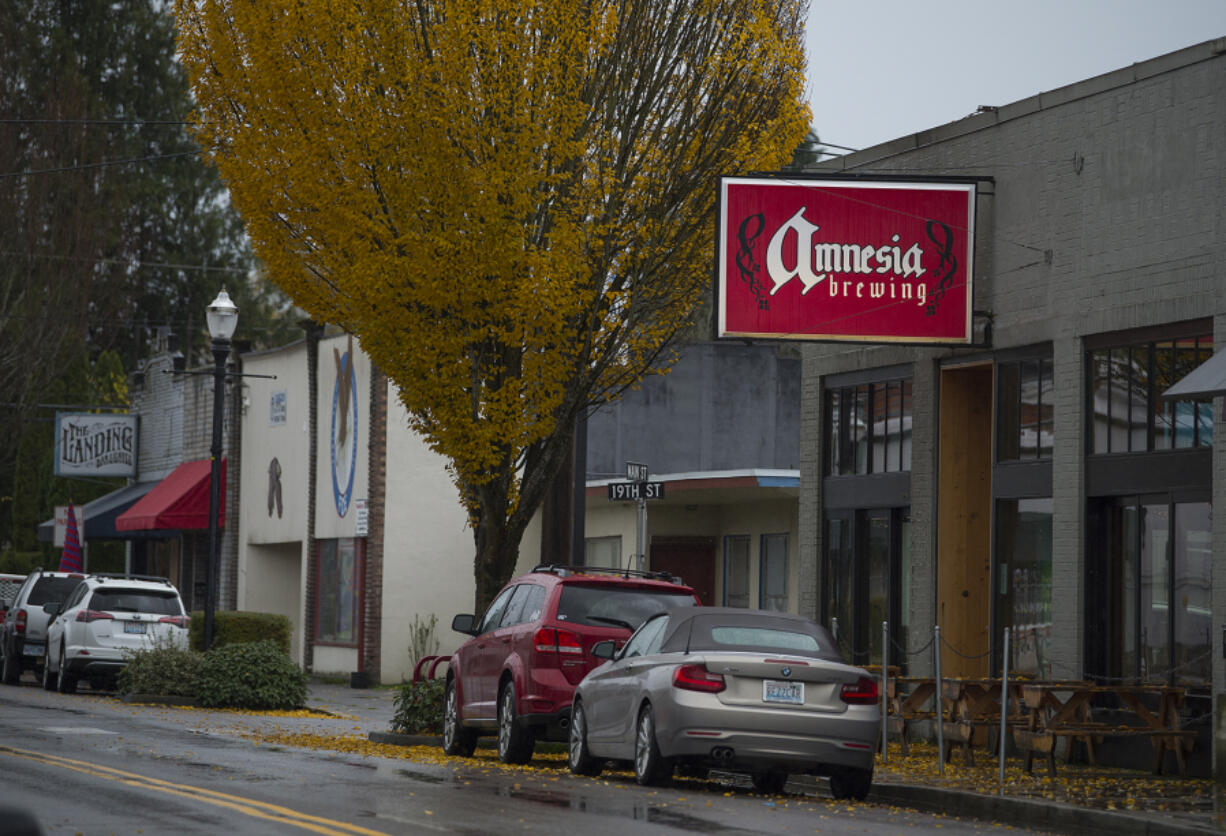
{"x":222,"y":317}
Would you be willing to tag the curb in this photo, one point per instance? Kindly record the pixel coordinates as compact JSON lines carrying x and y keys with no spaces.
{"x":157,"y":699}
{"x":1032,"y":813}
{"x":1065,"y":818}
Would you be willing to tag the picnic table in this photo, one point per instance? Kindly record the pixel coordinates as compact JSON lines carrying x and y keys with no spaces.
{"x":1063,"y":709}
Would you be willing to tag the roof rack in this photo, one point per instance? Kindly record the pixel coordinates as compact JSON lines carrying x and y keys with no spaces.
{"x":564,"y":569}
{"x":119,"y":576}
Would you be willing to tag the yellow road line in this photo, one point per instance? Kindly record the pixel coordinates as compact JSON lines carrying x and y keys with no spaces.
{"x":247,"y":806}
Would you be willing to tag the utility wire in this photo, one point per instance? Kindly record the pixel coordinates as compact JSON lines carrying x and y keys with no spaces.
{"x":105,"y":164}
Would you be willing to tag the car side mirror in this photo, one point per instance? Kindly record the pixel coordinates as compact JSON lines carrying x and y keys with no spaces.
{"x":465,"y":623}
{"x":52,"y":608}
{"x":604,"y":649}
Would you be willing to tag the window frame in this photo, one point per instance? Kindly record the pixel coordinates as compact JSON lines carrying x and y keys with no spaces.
{"x":319,"y":637}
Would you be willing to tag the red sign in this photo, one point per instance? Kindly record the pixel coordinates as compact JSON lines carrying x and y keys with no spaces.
{"x":862,"y":261}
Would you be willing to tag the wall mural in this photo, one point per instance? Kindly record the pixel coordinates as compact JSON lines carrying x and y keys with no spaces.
{"x":344,"y":428}
{"x":274,"y":487}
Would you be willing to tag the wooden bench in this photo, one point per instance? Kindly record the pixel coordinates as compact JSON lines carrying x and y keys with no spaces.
{"x":1049,"y":717}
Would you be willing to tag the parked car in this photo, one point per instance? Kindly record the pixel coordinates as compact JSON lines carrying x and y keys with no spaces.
{"x":106,"y":618}
{"x":751,"y":691}
{"x":516,"y":676}
{"x":23,"y":634}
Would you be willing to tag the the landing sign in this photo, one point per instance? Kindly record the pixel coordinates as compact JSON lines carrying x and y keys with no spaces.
{"x":845,"y":260}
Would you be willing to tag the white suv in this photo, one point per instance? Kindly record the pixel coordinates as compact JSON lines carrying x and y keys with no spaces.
{"x":107,"y":618}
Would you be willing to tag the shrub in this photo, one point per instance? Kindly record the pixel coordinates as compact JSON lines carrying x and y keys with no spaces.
{"x":255,"y":675}
{"x":162,"y":669}
{"x":231,"y":627}
{"x":419,"y":707}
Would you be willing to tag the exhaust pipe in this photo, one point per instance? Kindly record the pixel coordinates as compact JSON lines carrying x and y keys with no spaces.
{"x":723,"y":754}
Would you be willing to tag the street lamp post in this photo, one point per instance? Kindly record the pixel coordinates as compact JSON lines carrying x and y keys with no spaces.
{"x":222,"y":318}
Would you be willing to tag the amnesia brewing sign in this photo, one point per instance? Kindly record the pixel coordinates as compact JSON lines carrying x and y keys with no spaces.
{"x":88,"y":444}
{"x":855,"y":260}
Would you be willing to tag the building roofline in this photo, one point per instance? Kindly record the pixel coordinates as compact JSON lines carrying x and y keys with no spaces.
{"x":989,"y":117}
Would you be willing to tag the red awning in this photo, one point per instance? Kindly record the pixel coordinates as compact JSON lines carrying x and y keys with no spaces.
{"x":180,"y":501}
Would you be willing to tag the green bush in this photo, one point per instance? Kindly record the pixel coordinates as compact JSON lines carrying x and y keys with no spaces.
{"x":419,"y":707}
{"x":162,"y":669}
{"x":255,"y":675}
{"x":231,"y":627}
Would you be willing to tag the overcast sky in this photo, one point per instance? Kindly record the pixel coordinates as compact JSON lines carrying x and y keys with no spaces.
{"x":883,"y":69}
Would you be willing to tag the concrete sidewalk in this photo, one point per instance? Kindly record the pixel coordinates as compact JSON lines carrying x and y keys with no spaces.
{"x":369,"y":713}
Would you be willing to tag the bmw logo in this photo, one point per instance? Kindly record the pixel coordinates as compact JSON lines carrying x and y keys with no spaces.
{"x":786,"y":671}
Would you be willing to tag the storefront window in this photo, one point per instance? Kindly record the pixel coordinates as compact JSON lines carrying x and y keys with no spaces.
{"x":774,"y":572}
{"x":1129,"y":414}
{"x":1025,"y":425}
{"x":1150,"y":590}
{"x":869,"y":428}
{"x":1023,"y":582}
{"x":338,"y":583}
{"x":736,"y":571}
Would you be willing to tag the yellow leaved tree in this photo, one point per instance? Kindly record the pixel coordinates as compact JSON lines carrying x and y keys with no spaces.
{"x":510,"y":202}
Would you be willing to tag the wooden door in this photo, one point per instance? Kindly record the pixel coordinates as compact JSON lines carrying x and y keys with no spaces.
{"x":690,"y":558}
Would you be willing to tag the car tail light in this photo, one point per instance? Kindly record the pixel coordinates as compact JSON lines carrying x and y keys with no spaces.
{"x":698,"y":678}
{"x":93,"y":615}
{"x":21,"y":621}
{"x":864,"y":692}
{"x":176,"y":620}
{"x":551,"y":640}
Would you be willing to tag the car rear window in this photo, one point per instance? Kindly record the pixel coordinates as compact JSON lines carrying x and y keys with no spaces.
{"x":589,"y":604}
{"x":51,"y":589}
{"x":764,"y":638}
{"x":755,"y":633}
{"x":136,"y":600}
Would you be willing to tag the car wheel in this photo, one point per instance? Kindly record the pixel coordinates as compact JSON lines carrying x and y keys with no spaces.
{"x":578,"y":755}
{"x":851,"y":783}
{"x":457,"y":740}
{"x":515,"y":740}
{"x":50,"y":681}
{"x":651,"y":769}
{"x":770,"y":783}
{"x":11,"y":671}
{"x":67,"y":682}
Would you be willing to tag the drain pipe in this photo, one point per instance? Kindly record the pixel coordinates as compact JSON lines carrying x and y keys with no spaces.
{"x":936,"y":641}
{"x":1004,"y":711}
{"x":885,"y":688}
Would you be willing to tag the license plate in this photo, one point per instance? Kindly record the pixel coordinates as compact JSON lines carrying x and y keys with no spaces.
{"x":134,"y":627}
{"x":33,"y":650}
{"x":789,"y":693}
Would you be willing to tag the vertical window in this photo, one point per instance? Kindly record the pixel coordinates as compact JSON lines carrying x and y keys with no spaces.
{"x":1024,"y":423}
{"x":773,"y":572}
{"x":1023,"y":582}
{"x":603,"y":551}
{"x":736,"y":571}
{"x":338,"y":581}
{"x":868,"y":428}
{"x":1151,"y":593}
{"x":1129,"y":414}
{"x":840,"y":583}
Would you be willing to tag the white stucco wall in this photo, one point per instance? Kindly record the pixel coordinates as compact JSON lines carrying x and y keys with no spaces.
{"x":343,"y":469}
{"x":271,"y":538}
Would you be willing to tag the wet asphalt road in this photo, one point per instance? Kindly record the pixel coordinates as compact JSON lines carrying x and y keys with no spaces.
{"x":92,"y":765}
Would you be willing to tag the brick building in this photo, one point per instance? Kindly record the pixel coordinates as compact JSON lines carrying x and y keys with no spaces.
{"x":1044,"y":484}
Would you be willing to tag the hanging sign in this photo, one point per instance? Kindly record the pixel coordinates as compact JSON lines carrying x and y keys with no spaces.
{"x":845,"y":260}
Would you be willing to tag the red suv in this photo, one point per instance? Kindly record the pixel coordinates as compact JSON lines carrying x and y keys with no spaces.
{"x":517,"y":675}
